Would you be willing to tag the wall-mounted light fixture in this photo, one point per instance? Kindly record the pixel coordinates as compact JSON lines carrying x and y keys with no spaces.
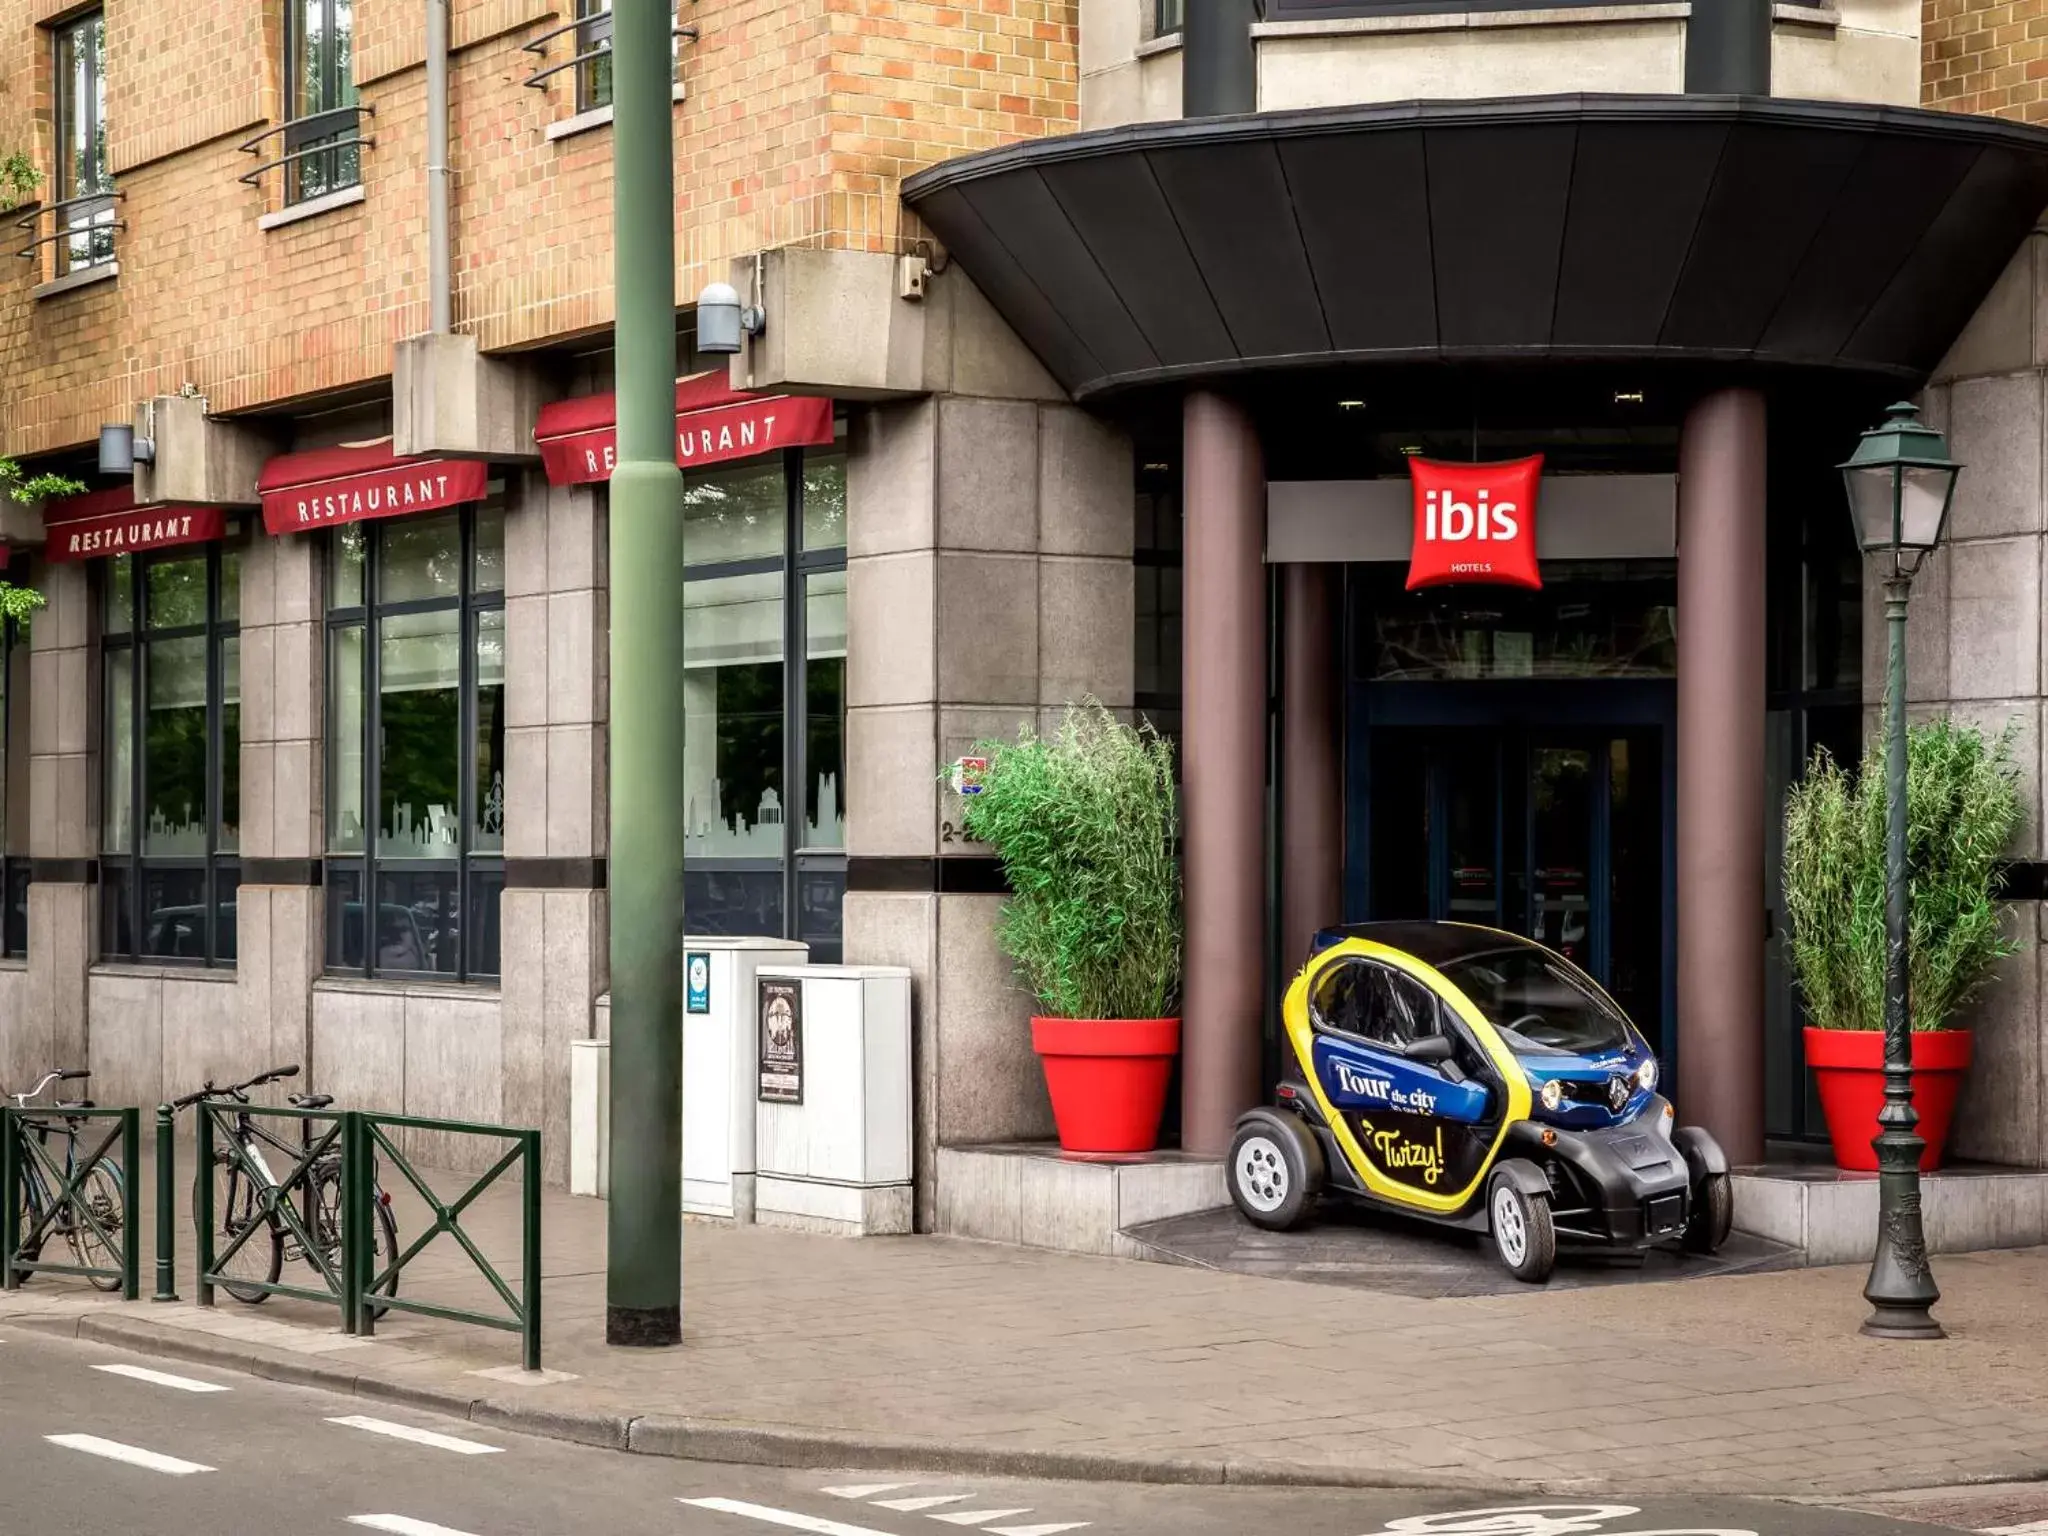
{"x":722,"y":321}
{"x":121,"y":450}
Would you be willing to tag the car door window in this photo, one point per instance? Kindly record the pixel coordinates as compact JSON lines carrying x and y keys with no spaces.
{"x":1408,"y":1008}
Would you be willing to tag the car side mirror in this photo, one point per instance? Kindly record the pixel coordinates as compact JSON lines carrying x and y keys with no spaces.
{"x":1430,"y":1048}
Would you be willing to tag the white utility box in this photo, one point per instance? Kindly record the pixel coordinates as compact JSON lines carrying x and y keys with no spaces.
{"x":590,"y":1117}
{"x":718,"y":1069}
{"x":832,"y":1085}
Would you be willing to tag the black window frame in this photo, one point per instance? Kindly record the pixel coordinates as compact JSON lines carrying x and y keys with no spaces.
{"x":366,"y":865}
{"x":83,"y":215}
{"x":797,"y":862}
{"x":324,"y":171}
{"x":124,"y":875}
{"x":594,"y":75}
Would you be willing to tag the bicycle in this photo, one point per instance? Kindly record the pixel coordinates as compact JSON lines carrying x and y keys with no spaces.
{"x":93,"y":1238}
{"x":239,"y":1203}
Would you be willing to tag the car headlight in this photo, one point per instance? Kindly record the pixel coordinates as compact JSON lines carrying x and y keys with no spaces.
{"x":1646,"y":1076}
{"x":1553,"y":1095}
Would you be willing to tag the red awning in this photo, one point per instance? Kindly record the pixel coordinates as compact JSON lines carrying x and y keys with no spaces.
{"x":348,"y":485}
{"x":110,"y":523}
{"x":715,"y":423}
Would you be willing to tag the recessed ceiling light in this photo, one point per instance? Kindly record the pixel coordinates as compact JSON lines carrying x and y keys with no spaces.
{"x":1157,"y":468}
{"x":1411,"y":449}
{"x":1628,"y":397}
{"x":1350,"y":405}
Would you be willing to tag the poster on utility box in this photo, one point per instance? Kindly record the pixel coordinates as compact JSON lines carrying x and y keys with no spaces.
{"x":781,"y":1023}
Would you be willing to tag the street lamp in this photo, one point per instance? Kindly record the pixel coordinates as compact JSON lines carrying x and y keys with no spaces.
{"x":1900,"y":481}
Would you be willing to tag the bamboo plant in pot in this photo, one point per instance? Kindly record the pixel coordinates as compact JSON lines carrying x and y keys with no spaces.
{"x":1962,"y":807}
{"x":1086,"y":823}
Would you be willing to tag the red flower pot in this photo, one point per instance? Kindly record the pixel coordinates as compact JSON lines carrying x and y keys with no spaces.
{"x":1848,"y":1065}
{"x":1107,"y":1078}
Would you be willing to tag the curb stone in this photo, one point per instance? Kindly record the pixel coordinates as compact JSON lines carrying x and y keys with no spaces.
{"x":718,"y":1441}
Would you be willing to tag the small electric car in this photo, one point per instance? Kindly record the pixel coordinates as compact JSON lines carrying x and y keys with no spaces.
{"x":1477,"y":1079}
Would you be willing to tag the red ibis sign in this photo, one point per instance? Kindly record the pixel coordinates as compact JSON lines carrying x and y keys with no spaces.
{"x":1475,"y":523}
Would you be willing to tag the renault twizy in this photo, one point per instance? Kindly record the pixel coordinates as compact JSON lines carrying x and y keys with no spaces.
{"x":1477,"y":1079}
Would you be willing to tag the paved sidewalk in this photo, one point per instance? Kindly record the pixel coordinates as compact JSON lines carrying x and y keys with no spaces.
{"x":963,"y":1357}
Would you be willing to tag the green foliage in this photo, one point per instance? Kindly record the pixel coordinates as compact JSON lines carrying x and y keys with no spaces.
{"x":18,"y":604}
{"x":1087,"y":824}
{"x":19,"y":179}
{"x":1962,"y":807}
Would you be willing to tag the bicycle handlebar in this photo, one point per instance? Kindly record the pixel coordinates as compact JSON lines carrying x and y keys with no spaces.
{"x":236,"y":1090}
{"x":60,"y":1075}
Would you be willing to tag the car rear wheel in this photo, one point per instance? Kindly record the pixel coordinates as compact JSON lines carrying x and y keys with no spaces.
{"x":1713,"y":1214}
{"x":1523,"y":1234}
{"x":1275,"y":1170}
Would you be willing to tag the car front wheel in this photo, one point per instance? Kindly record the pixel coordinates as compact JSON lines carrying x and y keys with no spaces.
{"x":1713,"y":1214}
{"x":1523,"y":1234}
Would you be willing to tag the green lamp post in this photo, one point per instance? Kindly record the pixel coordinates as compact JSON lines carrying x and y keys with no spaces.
{"x":1900,"y":481}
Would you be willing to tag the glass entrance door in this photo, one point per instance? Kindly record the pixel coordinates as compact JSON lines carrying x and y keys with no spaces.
{"x":1556,"y":834}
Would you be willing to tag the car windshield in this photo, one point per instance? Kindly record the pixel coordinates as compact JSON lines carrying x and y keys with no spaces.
{"x":1539,"y":1006}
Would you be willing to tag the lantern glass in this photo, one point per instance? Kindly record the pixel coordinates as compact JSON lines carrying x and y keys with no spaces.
{"x":1924,"y":491}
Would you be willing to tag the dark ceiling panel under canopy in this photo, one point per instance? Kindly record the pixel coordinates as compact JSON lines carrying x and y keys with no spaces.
{"x":1735,"y":232}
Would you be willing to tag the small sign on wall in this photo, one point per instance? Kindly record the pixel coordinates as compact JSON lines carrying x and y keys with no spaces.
{"x":780,"y":1018}
{"x":697,"y":982}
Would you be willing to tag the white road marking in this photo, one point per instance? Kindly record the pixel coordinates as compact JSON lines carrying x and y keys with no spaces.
{"x":2031,"y":1528}
{"x":113,"y":1450}
{"x":864,"y":1490}
{"x":923,"y":1501}
{"x":161,"y":1378}
{"x":404,"y":1525}
{"x":417,"y":1436}
{"x":783,"y":1517}
{"x":1035,"y":1530}
{"x":979,"y":1516}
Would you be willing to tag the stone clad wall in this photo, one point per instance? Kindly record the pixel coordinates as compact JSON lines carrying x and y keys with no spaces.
{"x":1976,"y":643}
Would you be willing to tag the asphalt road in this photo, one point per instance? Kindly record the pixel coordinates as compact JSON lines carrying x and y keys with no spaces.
{"x":96,"y":1440}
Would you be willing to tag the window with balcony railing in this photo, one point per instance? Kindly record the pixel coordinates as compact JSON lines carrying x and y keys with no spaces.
{"x":82,"y":212}
{"x":588,"y":38}
{"x":322,"y":139}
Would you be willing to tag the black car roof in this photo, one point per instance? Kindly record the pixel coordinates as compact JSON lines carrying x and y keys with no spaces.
{"x":1435,"y":943}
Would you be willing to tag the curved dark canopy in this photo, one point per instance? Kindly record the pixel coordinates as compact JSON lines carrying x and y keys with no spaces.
{"x":1740,"y":231}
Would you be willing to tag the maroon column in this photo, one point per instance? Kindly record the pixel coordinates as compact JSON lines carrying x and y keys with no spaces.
{"x":1223,"y":735}
{"x":1311,"y":784}
{"x":1721,"y":796}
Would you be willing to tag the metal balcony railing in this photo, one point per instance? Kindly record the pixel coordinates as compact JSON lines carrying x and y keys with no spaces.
{"x":82,"y":228}
{"x":592,"y":39}
{"x":322,"y":152}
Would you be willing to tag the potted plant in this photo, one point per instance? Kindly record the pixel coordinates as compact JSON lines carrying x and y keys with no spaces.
{"x":1087,"y":824}
{"x":1962,"y":806}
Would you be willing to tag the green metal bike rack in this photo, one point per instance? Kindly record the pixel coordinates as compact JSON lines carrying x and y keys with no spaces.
{"x":22,"y":1149}
{"x":523,"y":1311}
{"x":273,"y":1195}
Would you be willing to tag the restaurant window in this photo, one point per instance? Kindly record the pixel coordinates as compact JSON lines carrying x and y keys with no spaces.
{"x":83,"y":207}
{"x":170,"y":664}
{"x":320,"y":97}
{"x":1156,"y":562}
{"x":765,"y":548}
{"x":416,"y":745}
{"x":14,"y":815}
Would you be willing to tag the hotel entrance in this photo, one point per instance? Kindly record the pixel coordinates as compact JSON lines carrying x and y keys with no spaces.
{"x":1511,"y":763}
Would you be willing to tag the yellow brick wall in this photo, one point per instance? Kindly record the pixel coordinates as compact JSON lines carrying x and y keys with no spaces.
{"x":800,"y":120}
{"x":1988,"y":56}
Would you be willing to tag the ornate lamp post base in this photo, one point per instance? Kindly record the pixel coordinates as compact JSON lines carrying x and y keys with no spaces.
{"x":1901,"y":1290}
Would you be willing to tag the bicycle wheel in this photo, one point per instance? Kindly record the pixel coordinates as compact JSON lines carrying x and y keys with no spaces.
{"x":100,"y":1192}
{"x":383,"y":1233}
{"x":260,"y":1260}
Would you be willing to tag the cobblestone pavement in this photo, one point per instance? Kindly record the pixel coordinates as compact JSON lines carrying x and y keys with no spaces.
{"x":926,"y":1351}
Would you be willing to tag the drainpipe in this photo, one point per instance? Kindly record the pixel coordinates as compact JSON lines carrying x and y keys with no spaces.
{"x":1219,"y":63}
{"x":1728,"y":48}
{"x":440,"y":283}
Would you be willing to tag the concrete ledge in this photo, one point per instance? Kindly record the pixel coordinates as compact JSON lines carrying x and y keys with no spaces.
{"x":1034,"y":1196}
{"x":312,"y":208}
{"x":1832,"y":1216}
{"x":70,"y":282}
